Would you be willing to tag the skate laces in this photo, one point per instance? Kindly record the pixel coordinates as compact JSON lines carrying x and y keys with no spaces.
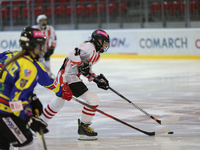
{"x":87,"y":128}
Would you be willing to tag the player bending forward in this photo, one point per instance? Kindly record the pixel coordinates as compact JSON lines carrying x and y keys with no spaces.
{"x":19,"y":74}
{"x":80,"y":61}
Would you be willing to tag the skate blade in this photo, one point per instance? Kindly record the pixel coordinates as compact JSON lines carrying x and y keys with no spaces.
{"x":87,"y":138}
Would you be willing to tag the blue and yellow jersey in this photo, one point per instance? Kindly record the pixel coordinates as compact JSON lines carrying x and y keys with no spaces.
{"x":5,"y":56}
{"x":18,"y":82}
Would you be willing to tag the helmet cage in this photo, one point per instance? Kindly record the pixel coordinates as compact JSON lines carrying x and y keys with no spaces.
{"x":104,"y":37}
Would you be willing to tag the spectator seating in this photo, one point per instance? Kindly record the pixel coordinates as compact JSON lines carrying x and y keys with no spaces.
{"x":156,"y":7}
{"x":182,"y":7}
{"x":39,"y":2}
{"x":193,"y":5}
{"x":48,"y":11}
{"x":49,"y":1}
{"x":68,"y":10}
{"x":166,"y":6}
{"x":175,"y":6}
{"x":90,"y":9}
{"x":80,"y":9}
{"x":38,"y":11}
{"x":25,"y":12}
{"x":16,"y":3}
{"x":60,"y":10}
{"x":4,"y":3}
{"x":25,"y":2}
{"x":4,"y":13}
{"x":15,"y":12}
{"x":102,"y":9}
{"x":63,"y":1}
{"x":123,"y":7}
{"x":112,"y":8}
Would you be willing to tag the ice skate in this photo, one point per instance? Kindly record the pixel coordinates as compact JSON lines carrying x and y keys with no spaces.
{"x":85,"y":132}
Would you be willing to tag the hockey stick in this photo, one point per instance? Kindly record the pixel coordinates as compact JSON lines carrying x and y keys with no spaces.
{"x":165,"y":130}
{"x":40,"y":136}
{"x":163,"y":122}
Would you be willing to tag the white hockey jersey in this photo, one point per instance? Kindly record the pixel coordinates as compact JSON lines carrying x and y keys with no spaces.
{"x":50,"y":35}
{"x":75,"y":57}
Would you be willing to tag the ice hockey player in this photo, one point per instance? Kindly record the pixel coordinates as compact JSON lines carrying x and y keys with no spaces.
{"x":19,"y":74}
{"x":79,"y":61}
{"x":51,"y":42}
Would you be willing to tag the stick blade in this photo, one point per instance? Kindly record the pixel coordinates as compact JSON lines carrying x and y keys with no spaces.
{"x":39,"y":137}
{"x":170,"y":120}
{"x":162,"y":131}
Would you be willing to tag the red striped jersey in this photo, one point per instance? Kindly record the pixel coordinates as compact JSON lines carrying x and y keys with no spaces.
{"x":75,"y":57}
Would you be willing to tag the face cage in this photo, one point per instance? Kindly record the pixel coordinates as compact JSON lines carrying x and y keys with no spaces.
{"x":39,"y":46}
{"x":106,"y":48}
{"x":100,"y":45}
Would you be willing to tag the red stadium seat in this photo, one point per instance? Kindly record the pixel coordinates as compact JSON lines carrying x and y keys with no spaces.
{"x":112,"y":8}
{"x":80,"y":9}
{"x":90,"y":9}
{"x":193,"y":5}
{"x":49,"y":1}
{"x":25,"y":2}
{"x":123,"y":7}
{"x":25,"y":12}
{"x":15,"y":3}
{"x":38,"y":11}
{"x":68,"y":10}
{"x":124,"y":1}
{"x":182,"y":7}
{"x":48,"y":11}
{"x":62,"y":1}
{"x":4,"y":3}
{"x":156,"y":7}
{"x":60,"y":10}
{"x":102,"y":9}
{"x":82,"y":1}
{"x":92,"y":1}
{"x":174,"y":7}
{"x":15,"y":12}
{"x":113,"y":1}
{"x":166,"y":6}
{"x":39,"y":2}
{"x":198,"y":6}
{"x":4,"y":12}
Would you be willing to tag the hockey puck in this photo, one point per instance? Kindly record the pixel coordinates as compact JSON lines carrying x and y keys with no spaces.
{"x":170,"y":132}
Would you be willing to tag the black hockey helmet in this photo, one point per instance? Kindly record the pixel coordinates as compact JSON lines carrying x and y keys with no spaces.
{"x":97,"y":35}
{"x":31,"y":38}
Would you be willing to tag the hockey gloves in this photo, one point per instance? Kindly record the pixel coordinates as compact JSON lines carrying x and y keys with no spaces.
{"x":36,"y":124}
{"x":36,"y":104}
{"x":84,"y":68}
{"x":102,"y":82}
{"x":66,"y":92}
{"x":49,"y":53}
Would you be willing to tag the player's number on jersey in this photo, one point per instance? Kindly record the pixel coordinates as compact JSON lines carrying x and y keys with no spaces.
{"x":77,"y":51}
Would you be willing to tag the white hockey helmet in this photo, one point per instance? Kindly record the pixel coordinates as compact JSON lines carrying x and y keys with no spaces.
{"x":40,"y":17}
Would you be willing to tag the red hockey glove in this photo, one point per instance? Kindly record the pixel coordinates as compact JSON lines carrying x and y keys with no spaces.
{"x":66,"y":92}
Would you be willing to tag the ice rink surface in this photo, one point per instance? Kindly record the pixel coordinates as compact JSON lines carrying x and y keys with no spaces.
{"x":163,"y":88}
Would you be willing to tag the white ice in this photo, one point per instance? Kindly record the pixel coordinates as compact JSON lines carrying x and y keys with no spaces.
{"x":163,"y":88}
